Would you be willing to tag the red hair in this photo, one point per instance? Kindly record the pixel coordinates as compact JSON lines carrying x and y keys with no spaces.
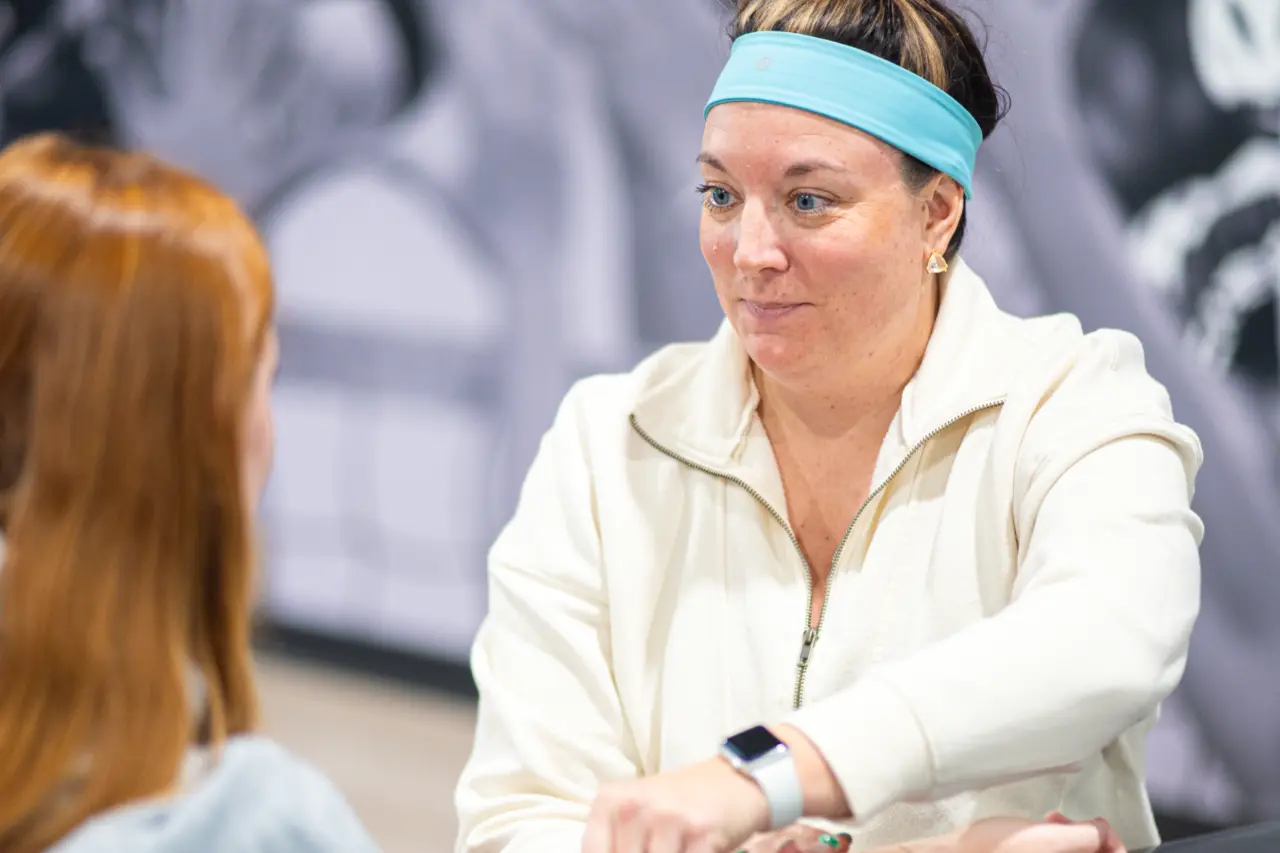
{"x":134,"y":304}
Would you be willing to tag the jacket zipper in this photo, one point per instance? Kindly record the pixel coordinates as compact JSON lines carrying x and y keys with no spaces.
{"x":811,"y":632}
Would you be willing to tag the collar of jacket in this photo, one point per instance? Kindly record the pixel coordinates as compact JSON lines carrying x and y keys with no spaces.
{"x":703,"y":410}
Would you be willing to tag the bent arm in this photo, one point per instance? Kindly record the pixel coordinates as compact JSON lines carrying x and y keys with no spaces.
{"x":1095,"y":636}
{"x":551,"y":728}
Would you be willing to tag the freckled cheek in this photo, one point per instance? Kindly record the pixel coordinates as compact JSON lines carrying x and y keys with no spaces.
{"x":831,"y":263}
{"x":717,"y":241}
{"x":842,"y":275}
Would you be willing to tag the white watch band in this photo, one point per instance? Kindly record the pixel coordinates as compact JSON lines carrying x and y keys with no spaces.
{"x":781,"y":785}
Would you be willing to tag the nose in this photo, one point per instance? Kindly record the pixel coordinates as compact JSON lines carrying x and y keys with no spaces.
{"x":758,"y":247}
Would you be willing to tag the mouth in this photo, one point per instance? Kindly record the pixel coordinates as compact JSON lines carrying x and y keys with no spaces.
{"x":770,"y":310}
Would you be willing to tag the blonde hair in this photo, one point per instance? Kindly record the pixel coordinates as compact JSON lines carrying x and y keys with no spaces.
{"x":134,"y":301}
{"x":923,"y":36}
{"x":925,"y":27}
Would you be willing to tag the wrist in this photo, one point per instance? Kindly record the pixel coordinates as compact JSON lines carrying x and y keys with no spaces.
{"x":746,"y":790}
{"x":823,"y":796}
{"x":765,"y":761}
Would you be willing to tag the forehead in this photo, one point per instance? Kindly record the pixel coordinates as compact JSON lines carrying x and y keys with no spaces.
{"x":771,"y":139}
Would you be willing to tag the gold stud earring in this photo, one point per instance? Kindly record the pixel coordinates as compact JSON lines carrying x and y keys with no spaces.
{"x":937,"y":264}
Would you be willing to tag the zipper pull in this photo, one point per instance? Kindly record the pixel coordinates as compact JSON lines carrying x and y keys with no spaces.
{"x":809,"y":637}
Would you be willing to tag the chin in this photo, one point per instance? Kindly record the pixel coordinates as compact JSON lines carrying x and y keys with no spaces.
{"x":777,"y":355}
{"x":780,"y":345}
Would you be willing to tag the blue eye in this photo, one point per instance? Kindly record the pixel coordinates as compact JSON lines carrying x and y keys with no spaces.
{"x":715,"y":198}
{"x":808,"y":202}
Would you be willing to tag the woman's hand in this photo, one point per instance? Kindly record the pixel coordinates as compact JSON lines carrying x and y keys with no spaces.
{"x":797,"y":838}
{"x":711,"y":808}
{"x":1055,"y":834}
{"x":704,"y":808}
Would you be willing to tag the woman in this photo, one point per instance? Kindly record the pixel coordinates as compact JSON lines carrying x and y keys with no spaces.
{"x":136,"y":356}
{"x":879,"y":555}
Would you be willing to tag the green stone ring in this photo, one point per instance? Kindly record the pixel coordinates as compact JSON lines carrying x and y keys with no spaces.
{"x":829,"y":840}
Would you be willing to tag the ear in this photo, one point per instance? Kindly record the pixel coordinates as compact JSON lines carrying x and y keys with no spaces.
{"x":943,"y":200}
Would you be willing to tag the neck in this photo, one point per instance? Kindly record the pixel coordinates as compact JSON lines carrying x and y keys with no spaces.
{"x":828,"y":411}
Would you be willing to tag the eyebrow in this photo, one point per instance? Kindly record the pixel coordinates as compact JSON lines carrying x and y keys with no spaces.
{"x":795,"y":170}
{"x":804,"y":167}
{"x":712,"y":161}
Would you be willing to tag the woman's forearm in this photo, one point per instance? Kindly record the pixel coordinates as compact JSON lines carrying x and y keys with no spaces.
{"x":823,"y":796}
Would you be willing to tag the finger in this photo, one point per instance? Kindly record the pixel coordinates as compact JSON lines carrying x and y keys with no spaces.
{"x":1057,"y":817}
{"x":826,"y":842}
{"x":703,"y":844}
{"x":808,"y":839}
{"x":1063,"y":838}
{"x":1111,"y":842}
{"x":630,"y":828}
{"x":598,"y":836}
{"x":665,"y":836}
{"x":804,"y":838}
{"x":1090,"y":839}
{"x":819,"y":842}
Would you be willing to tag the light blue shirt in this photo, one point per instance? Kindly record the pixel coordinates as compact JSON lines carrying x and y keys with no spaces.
{"x":258,"y":799}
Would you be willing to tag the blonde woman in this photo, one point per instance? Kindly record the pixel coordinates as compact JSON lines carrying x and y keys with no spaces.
{"x":879,"y":557}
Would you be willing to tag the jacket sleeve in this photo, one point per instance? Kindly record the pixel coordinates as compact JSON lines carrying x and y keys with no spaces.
{"x":1101,"y":610}
{"x":551,"y":727}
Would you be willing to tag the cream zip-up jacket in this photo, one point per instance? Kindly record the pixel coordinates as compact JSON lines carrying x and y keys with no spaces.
{"x":1004,"y":616}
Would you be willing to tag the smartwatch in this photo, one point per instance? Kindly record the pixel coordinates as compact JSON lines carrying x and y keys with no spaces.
{"x":756,"y":753}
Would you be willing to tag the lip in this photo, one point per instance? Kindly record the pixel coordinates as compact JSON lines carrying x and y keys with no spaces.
{"x":770,"y":310}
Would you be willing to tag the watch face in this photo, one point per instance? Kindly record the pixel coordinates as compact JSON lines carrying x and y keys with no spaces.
{"x":753,"y":744}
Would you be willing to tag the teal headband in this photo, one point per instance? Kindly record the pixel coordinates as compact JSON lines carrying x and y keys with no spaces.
{"x":858,"y":89}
